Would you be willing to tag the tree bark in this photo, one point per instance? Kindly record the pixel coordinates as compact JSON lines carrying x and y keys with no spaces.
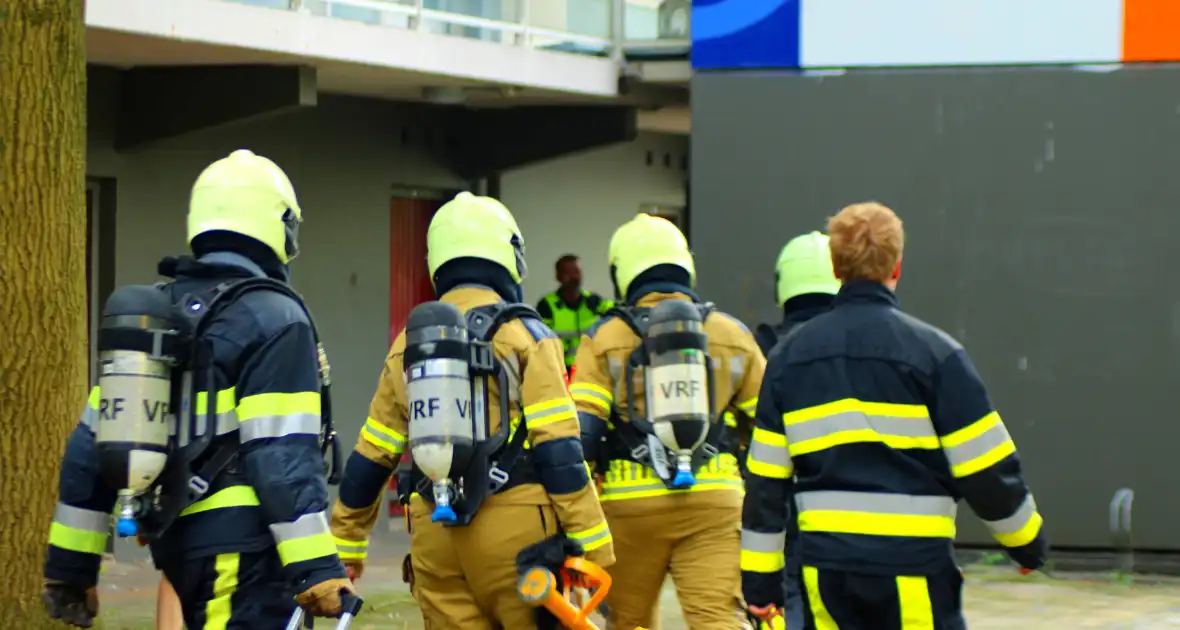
{"x":43,"y":309}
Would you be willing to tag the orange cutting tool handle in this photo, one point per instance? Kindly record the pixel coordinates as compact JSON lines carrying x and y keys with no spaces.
{"x":539,"y":587}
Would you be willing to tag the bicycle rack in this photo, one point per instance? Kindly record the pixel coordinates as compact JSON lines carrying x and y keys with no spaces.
{"x":1120,"y":530}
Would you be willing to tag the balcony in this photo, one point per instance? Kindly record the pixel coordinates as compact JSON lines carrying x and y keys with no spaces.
{"x":638,"y":30}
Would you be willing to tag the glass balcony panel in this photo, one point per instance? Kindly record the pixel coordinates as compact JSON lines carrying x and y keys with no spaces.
{"x":588,"y":20}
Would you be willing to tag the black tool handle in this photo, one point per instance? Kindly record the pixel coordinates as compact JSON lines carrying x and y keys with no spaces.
{"x":351,"y":604}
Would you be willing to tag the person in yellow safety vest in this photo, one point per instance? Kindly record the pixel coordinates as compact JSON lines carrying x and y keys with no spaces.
{"x":691,"y":533}
{"x":873,"y":424}
{"x":569,"y":310}
{"x":465,"y":576}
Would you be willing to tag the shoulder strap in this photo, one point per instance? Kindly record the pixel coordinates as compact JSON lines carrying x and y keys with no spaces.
{"x":484,"y":321}
{"x":766,"y":337}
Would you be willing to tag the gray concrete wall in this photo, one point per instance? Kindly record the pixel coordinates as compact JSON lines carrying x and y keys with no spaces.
{"x":1039,"y":207}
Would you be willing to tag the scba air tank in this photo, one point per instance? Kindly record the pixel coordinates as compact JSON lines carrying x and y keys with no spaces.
{"x":136,"y":355}
{"x":677,"y":382}
{"x":443,"y":428}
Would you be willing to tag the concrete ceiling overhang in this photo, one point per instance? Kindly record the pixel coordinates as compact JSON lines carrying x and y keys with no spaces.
{"x":656,"y":88}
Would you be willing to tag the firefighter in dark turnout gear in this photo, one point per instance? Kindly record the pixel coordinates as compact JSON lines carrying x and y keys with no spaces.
{"x":690,"y":533}
{"x":804,"y":286}
{"x":257,"y":542}
{"x":464,"y":574}
{"x":876,"y":424}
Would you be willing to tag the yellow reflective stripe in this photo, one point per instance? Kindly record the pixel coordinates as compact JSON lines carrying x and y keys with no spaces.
{"x":979,"y":445}
{"x":1019,"y":529}
{"x":626,"y":480}
{"x":749,"y":407}
{"x":592,"y":394}
{"x":276,"y":404}
{"x":513,"y":425}
{"x":219,"y":608}
{"x":592,"y":538}
{"x":762,"y":552}
{"x":729,"y":419}
{"x":550,"y":411}
{"x":383,"y":437}
{"x":95,"y":397}
{"x":226,"y":400}
{"x":876,"y":514}
{"x":823,"y":619}
{"x":351,"y":549}
{"x":306,"y":548}
{"x":768,"y":455}
{"x":762,"y":562}
{"x":233,"y":496}
{"x":852,"y":421}
{"x":913,"y":594}
{"x":79,"y":540}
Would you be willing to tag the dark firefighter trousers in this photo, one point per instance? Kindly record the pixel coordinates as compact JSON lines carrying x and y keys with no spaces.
{"x":842,"y":600}
{"x":232,"y":591}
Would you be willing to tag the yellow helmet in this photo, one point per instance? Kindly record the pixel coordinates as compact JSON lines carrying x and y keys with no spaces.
{"x":475,"y":227}
{"x":250,"y":195}
{"x":805,"y":266}
{"x":645,"y":242}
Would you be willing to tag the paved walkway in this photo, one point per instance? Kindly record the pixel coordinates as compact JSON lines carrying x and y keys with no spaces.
{"x":996,"y":599}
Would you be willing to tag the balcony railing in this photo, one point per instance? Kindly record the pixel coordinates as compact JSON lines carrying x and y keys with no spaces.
{"x":615,"y":28}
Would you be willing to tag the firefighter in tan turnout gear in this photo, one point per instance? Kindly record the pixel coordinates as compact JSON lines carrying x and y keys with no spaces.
{"x":651,"y":383}
{"x":486,"y":486}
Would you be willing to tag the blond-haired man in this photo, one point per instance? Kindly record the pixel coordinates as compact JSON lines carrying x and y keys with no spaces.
{"x":874,"y":422}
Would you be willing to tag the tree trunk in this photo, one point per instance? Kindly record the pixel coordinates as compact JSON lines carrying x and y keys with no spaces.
{"x":43,"y":309}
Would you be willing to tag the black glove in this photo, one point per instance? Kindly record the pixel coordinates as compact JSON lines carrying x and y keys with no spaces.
{"x":1033,"y":555}
{"x":764,"y":589}
{"x":551,"y":554}
{"x":74,"y":604}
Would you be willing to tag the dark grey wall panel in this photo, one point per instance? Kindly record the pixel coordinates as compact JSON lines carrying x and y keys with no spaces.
{"x":1042,"y":215}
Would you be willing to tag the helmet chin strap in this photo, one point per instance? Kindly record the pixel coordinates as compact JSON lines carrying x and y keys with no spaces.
{"x":614,"y":281}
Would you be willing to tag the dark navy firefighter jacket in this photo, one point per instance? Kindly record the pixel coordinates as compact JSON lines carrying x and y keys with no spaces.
{"x":268,"y":397}
{"x":876,"y":423}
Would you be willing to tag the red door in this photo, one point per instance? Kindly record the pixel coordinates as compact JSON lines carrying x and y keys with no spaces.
{"x":409,"y":279}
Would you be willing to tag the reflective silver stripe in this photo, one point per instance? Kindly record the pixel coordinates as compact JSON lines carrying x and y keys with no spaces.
{"x":764,"y":543}
{"x":227,"y":422}
{"x":615,"y":367}
{"x":876,"y":503}
{"x":977,"y":446}
{"x":569,"y":334}
{"x":588,"y":541}
{"x":280,"y":426}
{"x":565,"y":409}
{"x":353,"y":548}
{"x":737,"y":369}
{"x":854,"y":420}
{"x":582,"y":390}
{"x":770,"y":454}
{"x":78,"y":518}
{"x":1017,"y":521}
{"x":302,"y":527}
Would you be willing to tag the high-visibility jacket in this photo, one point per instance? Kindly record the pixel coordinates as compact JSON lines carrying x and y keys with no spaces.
{"x":601,"y":395}
{"x":571,"y":323}
{"x":268,"y":398}
{"x":553,"y":472}
{"x":876,"y":423}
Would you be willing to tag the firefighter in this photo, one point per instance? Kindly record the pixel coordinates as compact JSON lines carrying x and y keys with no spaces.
{"x":258,"y":533}
{"x":463,"y":562}
{"x":804,"y":286}
{"x":874,"y":422}
{"x":671,"y":484}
